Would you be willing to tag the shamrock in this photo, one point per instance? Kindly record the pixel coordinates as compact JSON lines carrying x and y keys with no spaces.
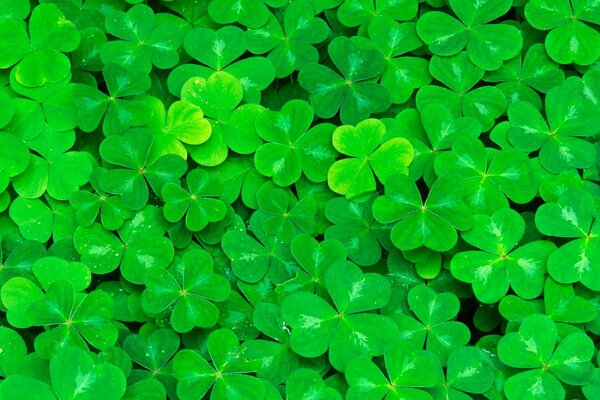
{"x":71,"y":317}
{"x":49,"y":269}
{"x":14,"y":158}
{"x":39,"y":220}
{"x":134,"y":250}
{"x":570,"y":39}
{"x":314,"y":259}
{"x":488,"y":45}
{"x":433,"y":327}
{"x":39,"y":55}
{"x":488,"y":183}
{"x":249,"y":13}
{"x":354,"y":226}
{"x":228,"y":376}
{"x":467,"y":372}
{"x":353,"y":177}
{"x":218,"y":96}
{"x":409,"y":369}
{"x":188,"y":286}
{"x":290,"y":44}
{"x":198,"y":202}
{"x":91,"y":379}
{"x":292,"y":148}
{"x":402,"y":74}
{"x":119,"y":111}
{"x":563,"y":305}
{"x":460,"y":75}
{"x":18,"y":261}
{"x":182,"y":124}
{"x":281,"y":215}
{"x":56,"y":170}
{"x":358,"y":12}
{"x":500,"y":265}
{"x":356,"y":95}
{"x":220,"y":50}
{"x":145,"y":40}
{"x":304,"y":382}
{"x":572,"y":217}
{"x":130,"y":151}
{"x":561,"y":140}
{"x":520,"y":77}
{"x":87,"y":205}
{"x":14,"y":350}
{"x":347,"y":330}
{"x":534,"y":348}
{"x":432,"y":223}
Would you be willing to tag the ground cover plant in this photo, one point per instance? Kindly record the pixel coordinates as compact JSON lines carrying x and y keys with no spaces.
{"x":299,"y":199}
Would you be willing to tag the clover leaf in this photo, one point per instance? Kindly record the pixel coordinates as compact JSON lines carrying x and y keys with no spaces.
{"x":145,"y":40}
{"x":347,"y":330}
{"x":355,"y":95}
{"x":354,"y":177}
{"x":534,"y":349}
{"x":305,"y":382}
{"x":410,"y":369}
{"x":432,"y":223}
{"x":249,"y":13}
{"x":434,"y":326}
{"x":500,"y":264}
{"x":39,"y":220}
{"x":131,"y":151}
{"x":488,"y":45}
{"x":570,"y":39}
{"x":563,"y":305}
{"x":188,"y":286}
{"x":572,"y":217}
{"x":228,"y":375}
{"x":14,"y":158}
{"x":290,"y":44}
{"x":358,"y":12}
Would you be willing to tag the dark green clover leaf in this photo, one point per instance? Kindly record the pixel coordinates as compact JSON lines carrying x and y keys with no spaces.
{"x":561,"y":140}
{"x":573,"y":217}
{"x":135,"y":251}
{"x":467,"y":372}
{"x":304,"y":383}
{"x":409,"y":369}
{"x":55,"y":169}
{"x":570,"y":39}
{"x":402,"y":73}
{"x":250,"y":13}
{"x":534,"y":348}
{"x":87,"y":205}
{"x":233,"y":126}
{"x":433,"y":327}
{"x":488,"y":45}
{"x":119,"y":110}
{"x":199,"y":202}
{"x":145,"y":40}
{"x":356,"y":95}
{"x":188,"y":285}
{"x":358,"y":12}
{"x":228,"y":376}
{"x":489,"y":181}
{"x":522,"y":77}
{"x":289,"y":44}
{"x":354,"y":226}
{"x":19,"y":260}
{"x":292,"y":148}
{"x":432,"y":223}
{"x":354,"y":177}
{"x":72,"y":318}
{"x":347,"y":330}
{"x":130,"y":151}
{"x":500,"y":264}
{"x":220,"y":50}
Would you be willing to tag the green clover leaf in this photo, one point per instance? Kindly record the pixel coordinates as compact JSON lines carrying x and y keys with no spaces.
{"x":500,"y":264}
{"x":14,"y":158}
{"x":355,"y":95}
{"x":361,"y":12}
{"x":304,"y":382}
{"x":488,"y":45}
{"x":250,"y":13}
{"x":39,"y":220}
{"x":534,"y":348}
{"x":292,"y":147}
{"x":354,"y":177}
{"x":432,"y":223}
{"x":563,"y":305}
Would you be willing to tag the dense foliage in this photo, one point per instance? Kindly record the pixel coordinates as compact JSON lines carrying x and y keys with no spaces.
{"x":302,"y":200}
